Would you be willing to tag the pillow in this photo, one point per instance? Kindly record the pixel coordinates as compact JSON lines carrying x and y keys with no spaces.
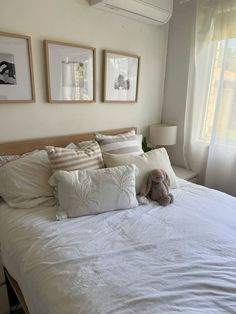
{"x":154,"y":159}
{"x":71,"y":146}
{"x":7,"y":158}
{"x":127,"y":143}
{"x":88,"y":192}
{"x":24,"y":182}
{"x":4,"y":159}
{"x":87,"y":155}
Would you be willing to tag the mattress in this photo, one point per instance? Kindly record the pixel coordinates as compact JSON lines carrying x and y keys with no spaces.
{"x":150,"y":259}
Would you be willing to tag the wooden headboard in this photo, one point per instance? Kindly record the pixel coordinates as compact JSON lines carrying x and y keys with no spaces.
{"x":21,"y":147}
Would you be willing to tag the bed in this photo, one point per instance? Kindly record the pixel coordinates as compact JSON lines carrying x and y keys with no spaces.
{"x":150,"y":259}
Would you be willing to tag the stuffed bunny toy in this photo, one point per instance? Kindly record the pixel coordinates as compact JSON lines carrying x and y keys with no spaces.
{"x":156,"y":187}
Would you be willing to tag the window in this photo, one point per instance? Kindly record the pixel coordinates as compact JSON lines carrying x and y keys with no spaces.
{"x":221,"y":94}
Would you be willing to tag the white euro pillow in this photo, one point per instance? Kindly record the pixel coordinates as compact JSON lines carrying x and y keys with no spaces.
{"x":24,"y":182}
{"x":154,"y":159}
{"x":88,"y":192}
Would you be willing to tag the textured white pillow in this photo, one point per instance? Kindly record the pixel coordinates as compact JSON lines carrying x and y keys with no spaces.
{"x":24,"y":182}
{"x":86,"y":192}
{"x":7,"y":158}
{"x":154,"y":159}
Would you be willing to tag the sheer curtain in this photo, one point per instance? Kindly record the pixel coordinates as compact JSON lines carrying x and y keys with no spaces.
{"x":210,"y":119}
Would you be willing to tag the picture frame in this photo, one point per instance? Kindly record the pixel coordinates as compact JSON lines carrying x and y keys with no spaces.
{"x":70,"y":72}
{"x":16,"y":69}
{"x":121,"y":77}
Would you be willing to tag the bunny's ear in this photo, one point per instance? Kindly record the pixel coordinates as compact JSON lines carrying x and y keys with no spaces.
{"x":167,"y":178}
{"x":146,"y":186}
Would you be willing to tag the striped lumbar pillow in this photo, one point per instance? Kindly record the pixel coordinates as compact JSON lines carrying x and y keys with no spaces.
{"x":87,"y":155}
{"x":127,"y":143}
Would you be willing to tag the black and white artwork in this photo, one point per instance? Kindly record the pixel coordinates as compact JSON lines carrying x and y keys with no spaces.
{"x":16,"y":69}
{"x":122,"y":82}
{"x":7,"y":69}
{"x":121,"y":77}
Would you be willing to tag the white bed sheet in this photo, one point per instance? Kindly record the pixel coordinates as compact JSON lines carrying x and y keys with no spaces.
{"x":151,"y":259}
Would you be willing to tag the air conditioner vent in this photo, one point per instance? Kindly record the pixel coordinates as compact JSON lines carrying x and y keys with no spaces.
{"x":156,"y":12}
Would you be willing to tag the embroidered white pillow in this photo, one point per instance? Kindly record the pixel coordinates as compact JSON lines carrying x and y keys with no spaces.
{"x":154,"y":159}
{"x":88,"y":192}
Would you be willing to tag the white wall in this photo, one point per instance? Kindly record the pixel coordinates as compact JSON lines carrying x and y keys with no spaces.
{"x":75,"y":21}
{"x":177,"y":71}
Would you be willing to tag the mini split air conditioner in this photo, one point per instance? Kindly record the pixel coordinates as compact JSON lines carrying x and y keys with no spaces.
{"x":155,"y":12}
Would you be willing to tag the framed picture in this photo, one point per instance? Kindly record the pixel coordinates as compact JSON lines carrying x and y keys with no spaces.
{"x":121,"y":77}
{"x":70,"y":72}
{"x":16,"y":69}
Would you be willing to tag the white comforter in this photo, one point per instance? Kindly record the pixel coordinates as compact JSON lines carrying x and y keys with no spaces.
{"x":151,"y":259}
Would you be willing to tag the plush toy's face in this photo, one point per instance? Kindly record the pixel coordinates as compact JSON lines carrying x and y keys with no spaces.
{"x":157,"y":176}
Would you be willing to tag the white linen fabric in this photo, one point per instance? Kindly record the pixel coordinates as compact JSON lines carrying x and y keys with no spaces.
{"x":210,"y":128}
{"x":151,"y":259}
{"x":24,"y":182}
{"x":88,"y":192}
{"x":154,"y":159}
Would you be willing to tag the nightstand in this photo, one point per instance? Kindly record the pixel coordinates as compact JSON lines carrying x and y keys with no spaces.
{"x":4,"y":303}
{"x":185,"y":174}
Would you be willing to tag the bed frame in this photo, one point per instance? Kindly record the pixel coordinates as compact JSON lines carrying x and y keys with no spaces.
{"x":21,"y":147}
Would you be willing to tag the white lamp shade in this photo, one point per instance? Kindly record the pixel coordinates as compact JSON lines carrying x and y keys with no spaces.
{"x":163,"y":134}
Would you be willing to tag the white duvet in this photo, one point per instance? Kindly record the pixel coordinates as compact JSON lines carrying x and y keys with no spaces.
{"x":150,"y":259}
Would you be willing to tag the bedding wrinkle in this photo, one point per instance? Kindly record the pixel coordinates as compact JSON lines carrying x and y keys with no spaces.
{"x":146,"y":260}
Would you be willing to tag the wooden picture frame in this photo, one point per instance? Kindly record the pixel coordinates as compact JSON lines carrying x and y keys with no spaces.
{"x":16,"y":69}
{"x":70,"y":72}
{"x":120,"y":77}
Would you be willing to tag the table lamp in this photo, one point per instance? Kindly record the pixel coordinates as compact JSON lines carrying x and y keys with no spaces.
{"x":162,"y":134}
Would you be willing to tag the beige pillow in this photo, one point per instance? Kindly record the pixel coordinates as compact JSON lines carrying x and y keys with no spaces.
{"x":24,"y":182}
{"x":87,"y":155}
{"x":88,"y":192}
{"x":125,"y":143}
{"x":154,"y":159}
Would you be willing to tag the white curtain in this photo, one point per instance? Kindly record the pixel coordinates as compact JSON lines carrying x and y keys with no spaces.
{"x":210,"y":119}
